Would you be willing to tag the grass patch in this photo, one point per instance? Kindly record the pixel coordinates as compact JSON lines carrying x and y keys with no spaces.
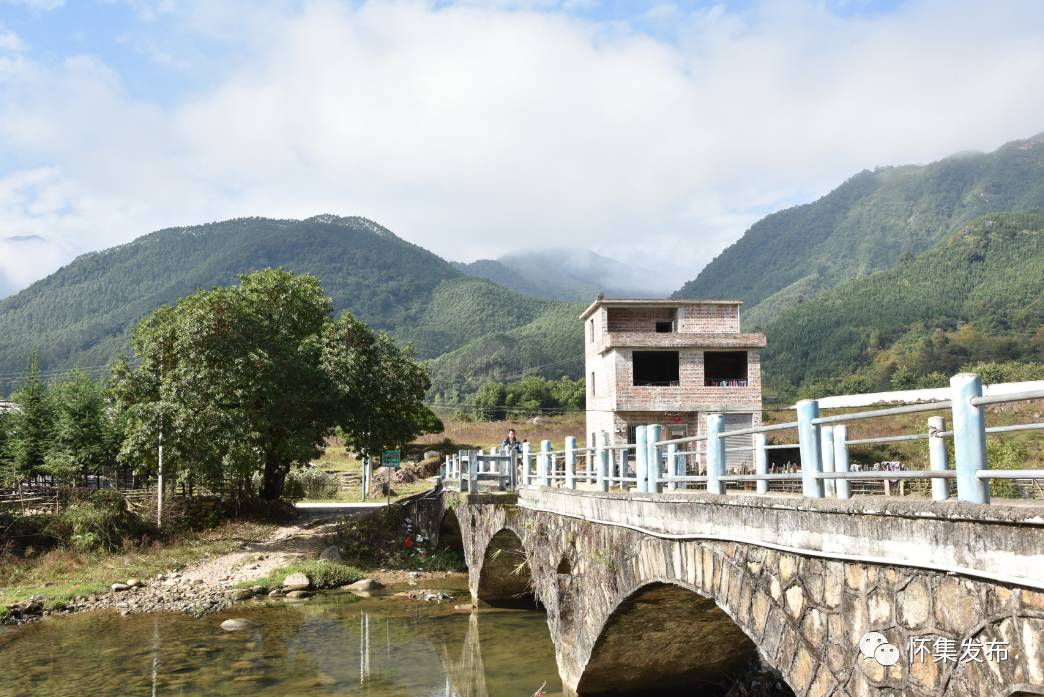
{"x":64,"y":573}
{"x":323,"y":574}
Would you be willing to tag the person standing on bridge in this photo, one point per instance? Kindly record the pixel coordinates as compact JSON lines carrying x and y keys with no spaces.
{"x":512,"y":442}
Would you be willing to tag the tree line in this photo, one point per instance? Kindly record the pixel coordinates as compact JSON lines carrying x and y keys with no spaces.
{"x":239,"y":384}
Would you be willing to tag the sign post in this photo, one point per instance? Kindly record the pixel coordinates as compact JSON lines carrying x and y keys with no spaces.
{"x":392,"y":460}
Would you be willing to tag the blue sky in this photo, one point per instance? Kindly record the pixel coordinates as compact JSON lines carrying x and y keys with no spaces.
{"x":649,"y":131}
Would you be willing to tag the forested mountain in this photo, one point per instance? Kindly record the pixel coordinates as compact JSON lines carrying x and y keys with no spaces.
{"x":868,"y":224}
{"x":570,"y":274}
{"x":976,"y":296}
{"x":83,"y":313}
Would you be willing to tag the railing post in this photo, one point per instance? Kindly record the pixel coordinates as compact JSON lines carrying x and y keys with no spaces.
{"x":544,"y":463}
{"x":603,"y":461}
{"x":969,"y":438}
{"x":808,"y":440}
{"x":937,"y":457}
{"x":761,"y":461}
{"x":641,"y":459}
{"x":843,"y":486}
{"x":672,"y":465}
{"x":715,"y":453}
{"x":653,"y":434}
{"x":621,"y":467}
{"x":570,"y":462}
{"x":525,"y":463}
{"x":473,"y":468}
{"x":826,"y":450}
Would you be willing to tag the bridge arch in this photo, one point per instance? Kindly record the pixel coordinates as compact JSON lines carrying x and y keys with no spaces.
{"x":666,"y":637}
{"x":506,"y":579}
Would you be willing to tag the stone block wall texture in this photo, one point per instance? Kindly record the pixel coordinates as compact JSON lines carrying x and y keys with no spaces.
{"x":805,"y":615}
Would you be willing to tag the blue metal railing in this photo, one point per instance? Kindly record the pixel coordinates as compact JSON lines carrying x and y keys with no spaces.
{"x":823,"y":442}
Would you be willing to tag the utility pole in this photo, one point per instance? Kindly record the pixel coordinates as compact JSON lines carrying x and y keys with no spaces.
{"x":159,"y":469}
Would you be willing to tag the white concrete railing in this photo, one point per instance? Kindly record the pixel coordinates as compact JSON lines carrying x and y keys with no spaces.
{"x":822,"y":441}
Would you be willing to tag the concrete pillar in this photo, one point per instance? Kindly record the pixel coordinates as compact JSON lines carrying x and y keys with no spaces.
{"x":570,"y":462}
{"x":641,"y":459}
{"x":715,"y":453}
{"x":969,"y":438}
{"x":672,"y":465}
{"x":544,"y":463}
{"x":938,"y":458}
{"x":603,"y":461}
{"x":826,"y":449}
{"x":525,"y":463}
{"x":808,"y":441}
{"x":761,"y":460}
{"x":653,"y":434}
{"x":843,"y":487}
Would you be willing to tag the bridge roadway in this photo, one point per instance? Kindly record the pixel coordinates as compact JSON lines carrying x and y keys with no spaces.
{"x":652,"y":593}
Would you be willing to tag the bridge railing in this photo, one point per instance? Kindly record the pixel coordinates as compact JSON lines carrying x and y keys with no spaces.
{"x":653,"y":463}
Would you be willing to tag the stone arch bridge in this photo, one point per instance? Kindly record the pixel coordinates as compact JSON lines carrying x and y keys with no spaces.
{"x":680,"y":593}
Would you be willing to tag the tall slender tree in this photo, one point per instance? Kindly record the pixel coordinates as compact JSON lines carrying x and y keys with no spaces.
{"x":32,"y":424}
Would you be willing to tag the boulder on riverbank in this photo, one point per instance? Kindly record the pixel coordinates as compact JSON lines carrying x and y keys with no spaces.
{"x":366,"y":585}
{"x":297,"y":582}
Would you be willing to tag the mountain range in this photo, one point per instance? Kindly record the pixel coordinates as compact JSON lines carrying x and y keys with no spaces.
{"x":899,"y":274}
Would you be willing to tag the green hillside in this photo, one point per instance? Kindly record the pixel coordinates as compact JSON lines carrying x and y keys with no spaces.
{"x":868,"y":224}
{"x":552,"y":345}
{"x":82,"y":314}
{"x":976,"y":296}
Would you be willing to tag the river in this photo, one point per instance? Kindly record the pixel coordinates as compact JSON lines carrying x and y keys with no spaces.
{"x":332,"y":644}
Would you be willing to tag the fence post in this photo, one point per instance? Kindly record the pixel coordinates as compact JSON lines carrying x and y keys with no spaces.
{"x":544,"y":463}
{"x":808,"y":441}
{"x":641,"y":459}
{"x":603,"y":461}
{"x":937,"y":457}
{"x":826,"y":449}
{"x":761,"y":461}
{"x":969,"y":438}
{"x":715,"y":453}
{"x":843,"y":486}
{"x":672,"y":465}
{"x":653,"y":434}
{"x":570,"y":462}
{"x":525,"y":463}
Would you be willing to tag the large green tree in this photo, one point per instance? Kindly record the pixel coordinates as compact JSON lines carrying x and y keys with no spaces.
{"x":31,"y":425}
{"x":81,"y":442}
{"x":245,"y":382}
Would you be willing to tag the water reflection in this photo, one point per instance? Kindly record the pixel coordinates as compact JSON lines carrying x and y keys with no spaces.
{"x":330,"y":646}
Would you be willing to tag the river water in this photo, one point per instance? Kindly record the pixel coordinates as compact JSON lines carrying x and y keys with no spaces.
{"x":333,"y":644}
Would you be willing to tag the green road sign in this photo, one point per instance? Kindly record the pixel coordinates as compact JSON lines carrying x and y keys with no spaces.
{"x":390,"y":458}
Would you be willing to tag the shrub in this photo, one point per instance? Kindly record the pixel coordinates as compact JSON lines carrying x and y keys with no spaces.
{"x":310,"y":483}
{"x":322,"y":574}
{"x":101,"y":522}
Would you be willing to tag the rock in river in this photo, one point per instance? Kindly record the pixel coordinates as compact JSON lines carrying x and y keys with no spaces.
{"x":367,"y":585}
{"x":298,"y":595}
{"x":236,"y":624}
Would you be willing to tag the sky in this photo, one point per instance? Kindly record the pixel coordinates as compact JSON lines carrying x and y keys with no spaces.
{"x":651,"y":132}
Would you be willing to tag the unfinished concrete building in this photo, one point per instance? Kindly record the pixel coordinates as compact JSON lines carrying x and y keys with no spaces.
{"x":670,"y":362}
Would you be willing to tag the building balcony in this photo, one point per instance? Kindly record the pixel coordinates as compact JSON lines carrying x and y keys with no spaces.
{"x":679,"y":340}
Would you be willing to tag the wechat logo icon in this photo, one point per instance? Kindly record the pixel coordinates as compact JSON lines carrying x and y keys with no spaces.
{"x":875,"y":645}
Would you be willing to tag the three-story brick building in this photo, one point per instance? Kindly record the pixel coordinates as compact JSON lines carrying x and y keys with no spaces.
{"x":670,"y":362}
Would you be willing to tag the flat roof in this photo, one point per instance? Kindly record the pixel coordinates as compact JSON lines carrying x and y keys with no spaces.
{"x":652,"y":302}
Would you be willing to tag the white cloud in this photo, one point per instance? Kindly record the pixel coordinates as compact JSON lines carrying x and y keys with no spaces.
{"x":42,"y":5}
{"x":474,"y":131}
{"x":11,"y":42}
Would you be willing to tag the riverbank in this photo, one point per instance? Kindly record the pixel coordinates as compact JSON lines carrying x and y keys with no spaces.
{"x":205,"y":573}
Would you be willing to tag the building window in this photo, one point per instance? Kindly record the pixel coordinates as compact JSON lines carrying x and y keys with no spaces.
{"x":590,"y":326}
{"x":665,"y":327}
{"x":592,"y":384}
{"x":725,"y":368}
{"x":655,"y":368}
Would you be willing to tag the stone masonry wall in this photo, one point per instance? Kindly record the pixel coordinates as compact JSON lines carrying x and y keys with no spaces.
{"x":804,"y":614}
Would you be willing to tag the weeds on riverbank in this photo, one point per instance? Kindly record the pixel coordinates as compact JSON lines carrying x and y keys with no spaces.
{"x":63,"y":573}
{"x":322,"y":574}
{"x":382,"y":540}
